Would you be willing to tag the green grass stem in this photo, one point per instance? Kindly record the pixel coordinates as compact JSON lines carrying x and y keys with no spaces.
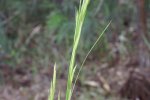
{"x":53,"y":85}
{"x":80,"y":15}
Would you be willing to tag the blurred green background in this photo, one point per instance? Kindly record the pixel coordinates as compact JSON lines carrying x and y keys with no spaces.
{"x":36,"y":33}
{"x":44,"y":29}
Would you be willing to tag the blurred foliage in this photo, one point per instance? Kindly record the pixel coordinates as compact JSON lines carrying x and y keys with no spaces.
{"x":44,"y":29}
{"x":36,"y":33}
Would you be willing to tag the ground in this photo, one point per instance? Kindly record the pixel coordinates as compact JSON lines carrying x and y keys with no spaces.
{"x":100,"y":80}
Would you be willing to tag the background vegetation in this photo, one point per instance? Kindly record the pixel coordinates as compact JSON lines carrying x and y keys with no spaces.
{"x":36,"y":33}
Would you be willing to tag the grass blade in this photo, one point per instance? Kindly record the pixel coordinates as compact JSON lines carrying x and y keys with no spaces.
{"x":53,"y":85}
{"x":80,"y":15}
{"x":90,"y":52}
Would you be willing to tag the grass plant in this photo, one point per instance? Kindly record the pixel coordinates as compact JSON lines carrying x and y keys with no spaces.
{"x":80,"y":16}
{"x":53,"y":86}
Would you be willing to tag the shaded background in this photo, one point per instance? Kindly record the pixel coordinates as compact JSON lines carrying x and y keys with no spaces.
{"x":36,"y":33}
